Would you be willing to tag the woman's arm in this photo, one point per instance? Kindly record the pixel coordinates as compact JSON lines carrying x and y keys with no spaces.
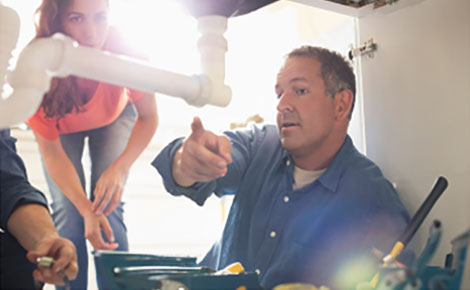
{"x":110,"y":186}
{"x":63,"y":173}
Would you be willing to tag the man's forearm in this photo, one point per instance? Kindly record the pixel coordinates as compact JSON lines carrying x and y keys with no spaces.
{"x":31,"y":223}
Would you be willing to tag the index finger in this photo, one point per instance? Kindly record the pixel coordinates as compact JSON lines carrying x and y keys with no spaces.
{"x":71,"y":271}
{"x":98,"y":194}
{"x":64,"y":258}
{"x":196,"y":127}
{"x":108,"y":194}
{"x":98,"y":243}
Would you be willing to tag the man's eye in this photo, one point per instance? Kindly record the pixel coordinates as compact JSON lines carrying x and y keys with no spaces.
{"x":279,"y":95}
{"x":301,"y":91}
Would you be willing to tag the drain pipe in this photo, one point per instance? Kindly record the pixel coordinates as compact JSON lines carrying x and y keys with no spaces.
{"x":30,"y":80}
{"x":9,"y":32}
{"x":60,"y":56}
{"x":212,"y":47}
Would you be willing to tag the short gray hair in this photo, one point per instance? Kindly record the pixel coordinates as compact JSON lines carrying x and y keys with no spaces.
{"x":336,"y":72}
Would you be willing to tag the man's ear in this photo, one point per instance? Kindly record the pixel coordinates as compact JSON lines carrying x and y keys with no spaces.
{"x":343,"y":103}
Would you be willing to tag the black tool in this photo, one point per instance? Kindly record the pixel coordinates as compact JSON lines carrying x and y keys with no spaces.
{"x":439,"y":186}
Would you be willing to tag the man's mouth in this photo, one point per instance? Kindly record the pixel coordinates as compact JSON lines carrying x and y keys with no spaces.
{"x":289,"y":124}
{"x":288,"y":120}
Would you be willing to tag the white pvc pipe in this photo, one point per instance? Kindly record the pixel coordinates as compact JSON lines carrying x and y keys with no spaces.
{"x":30,"y":80}
{"x":35,"y":64}
{"x":119,"y":70}
{"x":9,"y":32}
{"x":21,"y":104}
{"x":212,"y":47}
{"x":61,"y":56}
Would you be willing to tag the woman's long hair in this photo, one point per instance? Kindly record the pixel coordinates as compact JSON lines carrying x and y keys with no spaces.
{"x":63,"y":96}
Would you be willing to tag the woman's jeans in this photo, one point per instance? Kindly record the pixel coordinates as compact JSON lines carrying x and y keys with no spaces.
{"x":105,"y":145}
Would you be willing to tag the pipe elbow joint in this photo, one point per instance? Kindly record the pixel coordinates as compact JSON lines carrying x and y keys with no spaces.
{"x":220,"y":95}
{"x":9,"y":32}
{"x":62,"y":67}
{"x":35,"y":63}
{"x":211,"y":93}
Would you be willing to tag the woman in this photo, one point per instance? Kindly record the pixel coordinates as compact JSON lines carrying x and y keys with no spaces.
{"x":118,"y":124}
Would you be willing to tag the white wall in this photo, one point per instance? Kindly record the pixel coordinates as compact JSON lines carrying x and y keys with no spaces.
{"x":417,"y":106}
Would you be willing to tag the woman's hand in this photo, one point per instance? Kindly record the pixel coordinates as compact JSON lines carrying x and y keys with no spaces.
{"x":94,"y":224}
{"x":108,"y":190}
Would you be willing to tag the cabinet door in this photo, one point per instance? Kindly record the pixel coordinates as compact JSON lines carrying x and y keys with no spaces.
{"x":416,"y":93}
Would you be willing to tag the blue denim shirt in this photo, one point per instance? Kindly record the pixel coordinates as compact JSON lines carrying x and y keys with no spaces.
{"x":315,"y":234}
{"x":14,"y":186}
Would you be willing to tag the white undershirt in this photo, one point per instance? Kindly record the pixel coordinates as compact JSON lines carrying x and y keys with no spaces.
{"x":304,"y":177}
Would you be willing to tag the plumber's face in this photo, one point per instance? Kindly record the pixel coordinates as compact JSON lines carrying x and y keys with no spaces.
{"x":306,"y":114}
{"x":86,"y":21}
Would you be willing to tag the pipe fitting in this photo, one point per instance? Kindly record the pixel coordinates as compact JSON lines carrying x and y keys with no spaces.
{"x":9,"y":32}
{"x":213,"y":93}
{"x":212,"y":47}
{"x":62,"y":56}
{"x":19,"y":106}
{"x":30,"y":80}
{"x":36,"y":63}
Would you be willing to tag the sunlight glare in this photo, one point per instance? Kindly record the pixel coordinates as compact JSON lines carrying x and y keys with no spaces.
{"x":162,"y":30}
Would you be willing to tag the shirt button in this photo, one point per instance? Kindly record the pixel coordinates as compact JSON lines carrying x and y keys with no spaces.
{"x":286,"y":199}
{"x":288,"y":162}
{"x":257,"y":271}
{"x":272,"y":234}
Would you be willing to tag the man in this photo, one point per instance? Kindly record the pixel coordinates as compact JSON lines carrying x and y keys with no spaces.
{"x":308,"y":207}
{"x":27,"y":228}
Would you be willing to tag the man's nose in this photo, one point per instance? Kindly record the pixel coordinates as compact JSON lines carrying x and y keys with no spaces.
{"x":285,"y":102}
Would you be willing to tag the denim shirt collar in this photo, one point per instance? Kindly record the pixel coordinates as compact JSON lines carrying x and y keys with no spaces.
{"x":330,"y":178}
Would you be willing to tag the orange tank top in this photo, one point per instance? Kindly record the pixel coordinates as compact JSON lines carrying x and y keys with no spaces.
{"x":102,"y":109}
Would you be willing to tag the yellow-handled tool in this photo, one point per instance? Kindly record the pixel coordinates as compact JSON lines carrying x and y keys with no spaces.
{"x":439,"y":186}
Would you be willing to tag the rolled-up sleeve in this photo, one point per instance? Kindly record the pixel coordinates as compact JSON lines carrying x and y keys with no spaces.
{"x":15,"y":189}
